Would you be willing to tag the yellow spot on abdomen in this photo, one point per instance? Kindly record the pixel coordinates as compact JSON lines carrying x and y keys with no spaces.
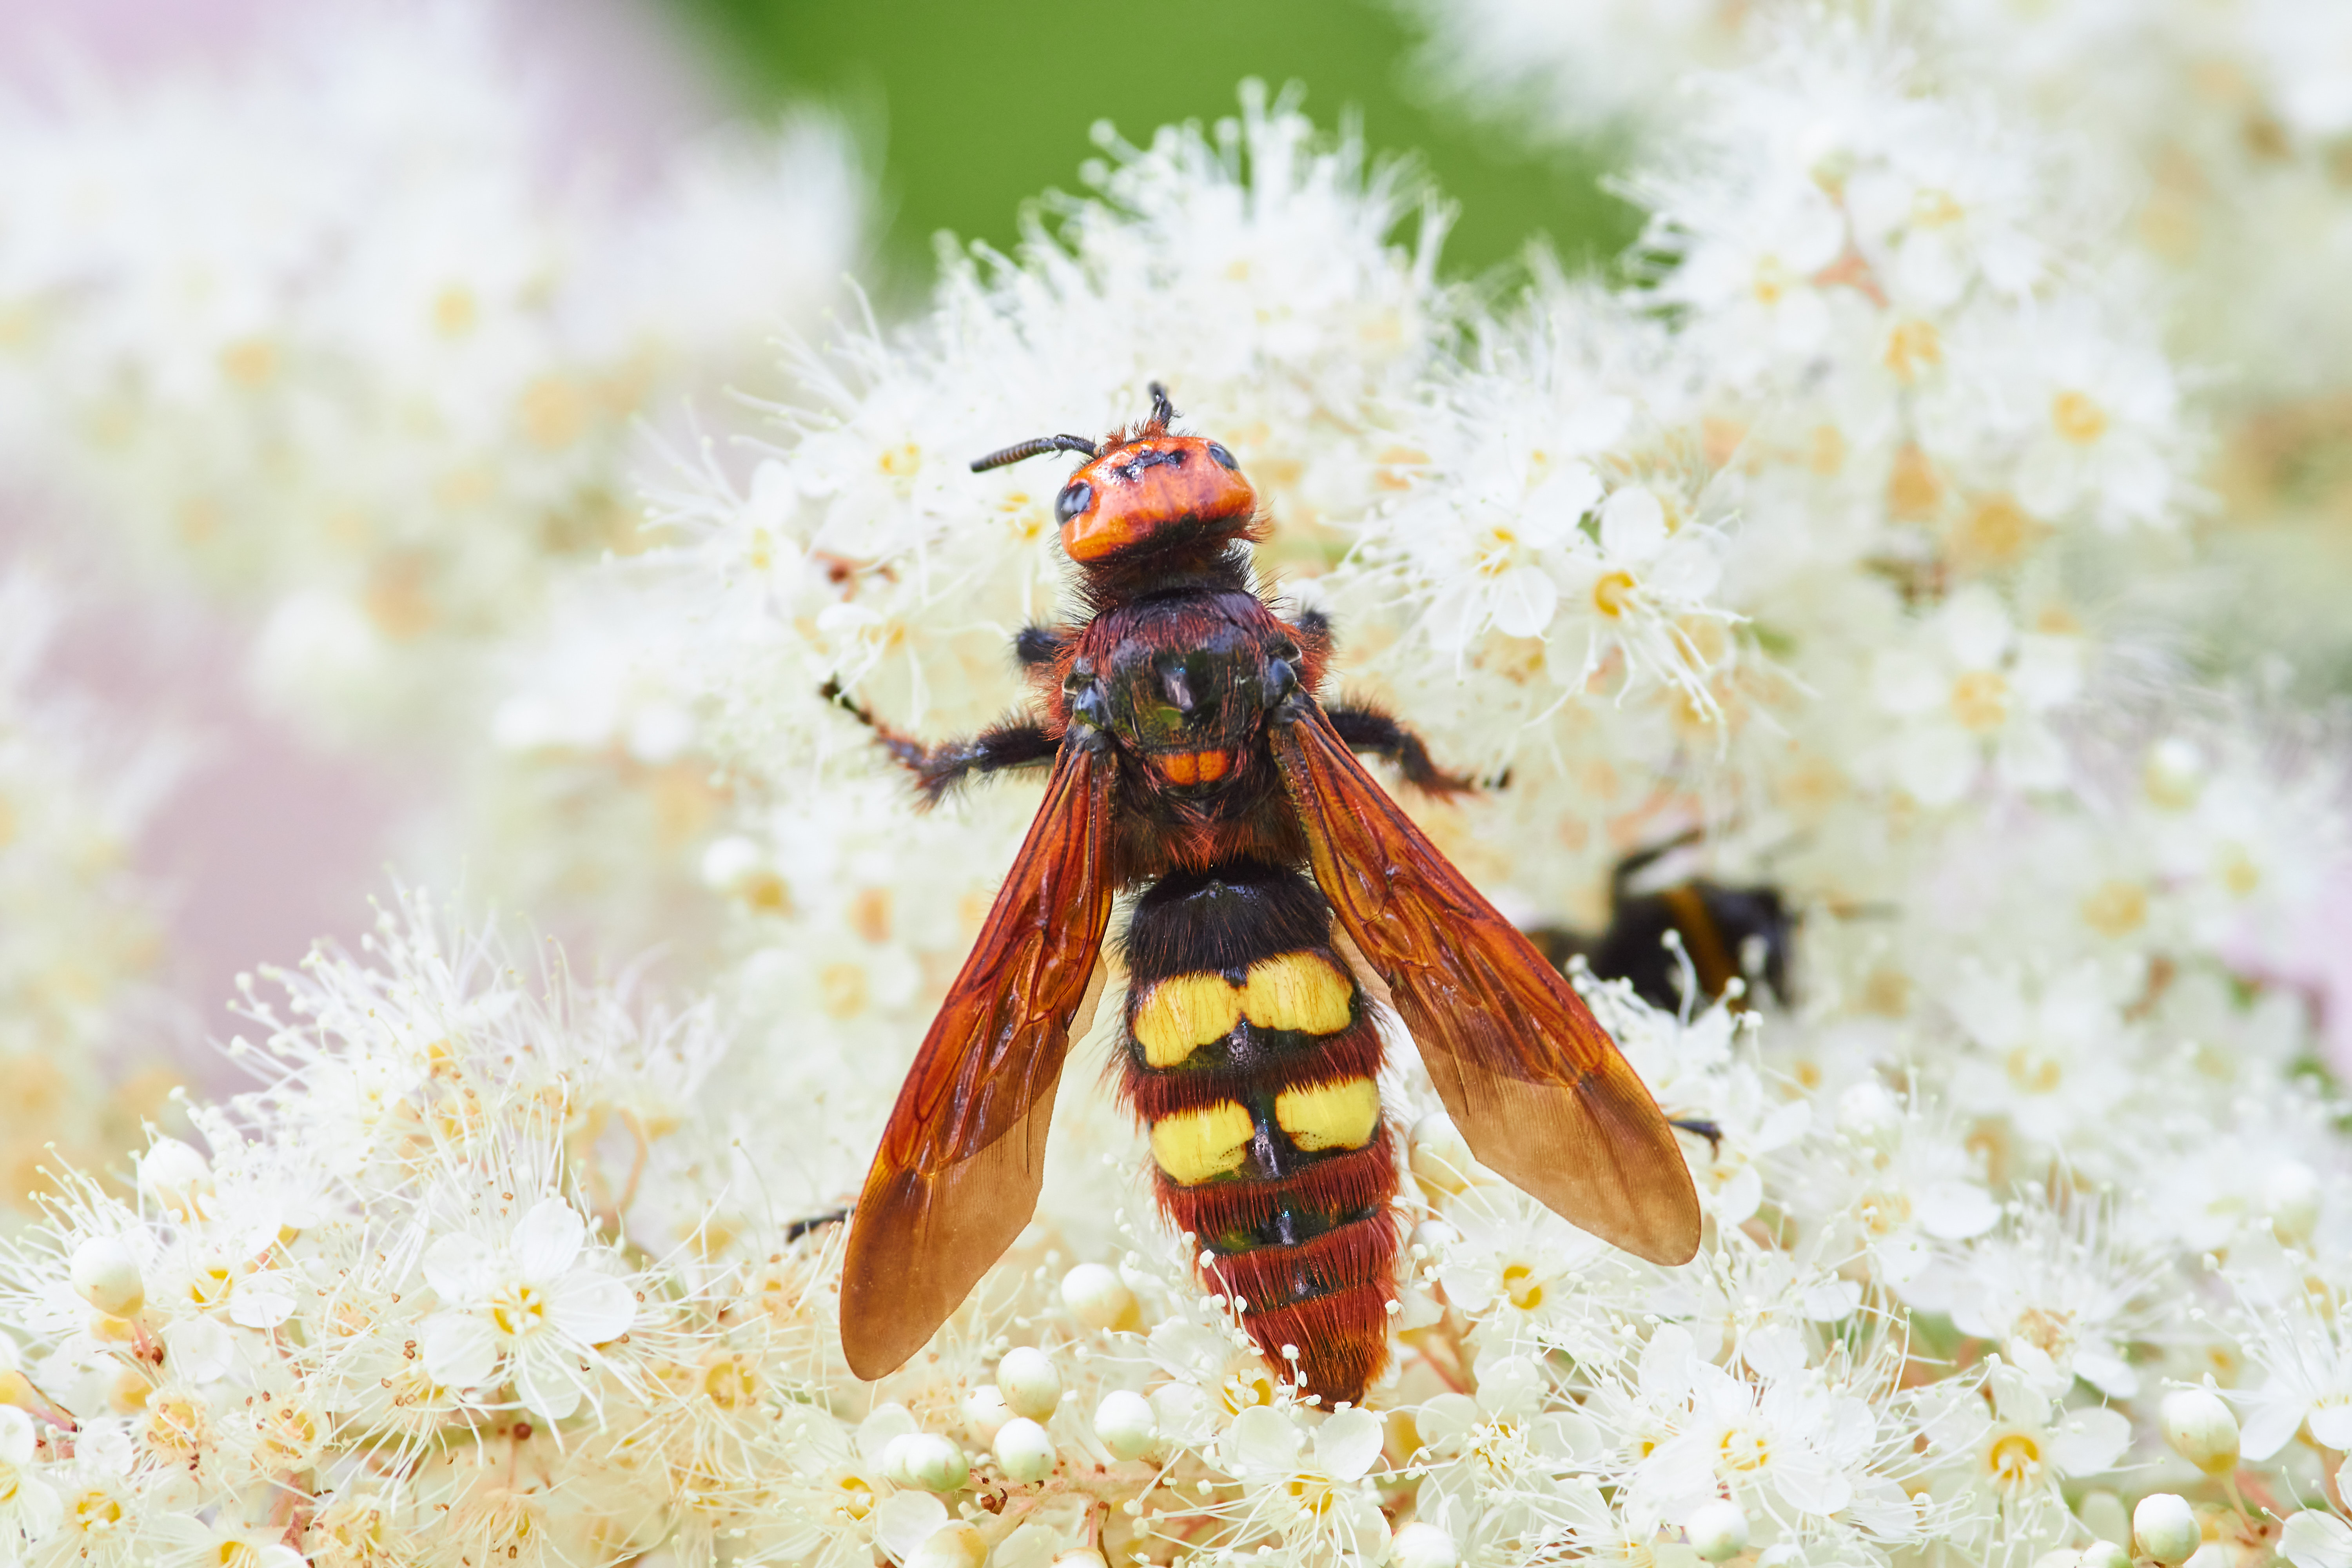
{"x":1342,"y":1115}
{"x":1193,"y":1146}
{"x":1183,"y":1013}
{"x":1302,"y":990}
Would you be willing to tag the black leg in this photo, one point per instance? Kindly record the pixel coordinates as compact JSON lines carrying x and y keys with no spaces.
{"x":1370,"y":730}
{"x":1009,"y":743}
{"x":815,"y":1222}
{"x":1039,"y":644}
{"x":1707,"y":1129}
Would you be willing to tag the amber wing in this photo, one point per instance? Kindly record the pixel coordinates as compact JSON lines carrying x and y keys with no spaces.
{"x":959,"y":1165}
{"x":1535,"y":1084}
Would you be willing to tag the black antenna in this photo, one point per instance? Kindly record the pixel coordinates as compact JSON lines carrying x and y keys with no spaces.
{"x":1026,"y":449}
{"x":1163,"y":413}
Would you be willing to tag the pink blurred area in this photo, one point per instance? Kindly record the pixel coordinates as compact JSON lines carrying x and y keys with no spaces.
{"x":272,"y":842}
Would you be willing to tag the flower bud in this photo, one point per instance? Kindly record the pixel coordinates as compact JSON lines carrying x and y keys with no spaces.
{"x":892,"y":1460}
{"x":985,"y":1408}
{"x":933,"y":1462}
{"x":1096,"y":1297}
{"x":1717,"y":1530}
{"x":1125,"y":1423}
{"x":957,"y":1545}
{"x":2063,"y":1557}
{"x":1423,"y":1545}
{"x":1024,"y":1452}
{"x":1031,"y":1385}
{"x":2104,"y":1554}
{"x":2165,"y":1529}
{"x":107,"y":1276}
{"x":2213,"y":1554}
{"x":175,"y":1175}
{"x":2200,"y":1429}
{"x":1441,"y":1159}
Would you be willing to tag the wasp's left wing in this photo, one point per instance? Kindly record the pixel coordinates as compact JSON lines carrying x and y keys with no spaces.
{"x":1535,"y":1084}
{"x":957,"y":1174}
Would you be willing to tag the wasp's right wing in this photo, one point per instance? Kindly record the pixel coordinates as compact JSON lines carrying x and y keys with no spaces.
{"x":1536,"y":1086}
{"x":957,"y":1174}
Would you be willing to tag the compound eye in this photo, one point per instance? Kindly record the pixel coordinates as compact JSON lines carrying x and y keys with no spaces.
{"x":1076,"y":496}
{"x":1225,"y":459}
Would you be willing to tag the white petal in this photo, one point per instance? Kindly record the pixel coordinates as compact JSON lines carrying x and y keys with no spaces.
{"x":262,"y":1301}
{"x":1739,"y":1197}
{"x":904,"y":1519}
{"x":2331,"y":1424}
{"x":461,"y":1351}
{"x":1524,"y":599}
{"x":590,"y":1307}
{"x":547,"y":1378}
{"x":1263,"y":1442}
{"x":1955,"y":1211}
{"x":16,"y":1436}
{"x":1556,"y":506}
{"x":1686,"y":569}
{"x":198,"y":1349}
{"x":2316,"y":1538}
{"x":1976,"y":628}
{"x":2276,"y":1418}
{"x":2087,"y":1441}
{"x":39,"y":1509}
{"x":457,"y":1267}
{"x":547,"y":1240}
{"x":1346,"y":1444}
{"x":1446,"y":1418}
{"x":2107,"y":1373}
{"x":1632,"y":525}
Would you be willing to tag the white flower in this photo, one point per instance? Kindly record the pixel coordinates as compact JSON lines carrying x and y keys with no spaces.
{"x":529,"y":1307}
{"x":30,"y":1505}
{"x":1968,"y":684}
{"x":1309,"y":1491}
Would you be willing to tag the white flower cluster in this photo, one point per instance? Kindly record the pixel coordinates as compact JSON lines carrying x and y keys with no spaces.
{"x":329,"y":329}
{"x":1844,"y":534}
{"x":81,"y":932}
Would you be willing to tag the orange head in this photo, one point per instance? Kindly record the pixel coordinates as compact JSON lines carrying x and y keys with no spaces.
{"x":1144,"y":492}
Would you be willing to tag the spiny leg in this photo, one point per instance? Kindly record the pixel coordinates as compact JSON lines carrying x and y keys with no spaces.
{"x":1370,"y":730}
{"x":1009,"y":743}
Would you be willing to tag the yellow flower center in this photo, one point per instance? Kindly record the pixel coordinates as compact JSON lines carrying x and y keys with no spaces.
{"x":1613,"y":594}
{"x":2015,"y":1460}
{"x":1935,"y":209}
{"x":519,"y":1310}
{"x":1744,"y":1448}
{"x":2116,"y":909}
{"x":96,"y":1509}
{"x":1980,"y":700}
{"x":1519,"y":1283}
{"x":1772,"y":280}
{"x":2078,"y":418}
{"x":2034,"y":1073}
{"x":1913,"y":347}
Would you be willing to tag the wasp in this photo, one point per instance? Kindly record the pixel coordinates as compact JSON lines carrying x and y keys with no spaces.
{"x":1725,"y":932}
{"x":1279,"y":898}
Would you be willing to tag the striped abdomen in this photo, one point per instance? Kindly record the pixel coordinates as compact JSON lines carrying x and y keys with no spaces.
{"x":1252,"y":1059}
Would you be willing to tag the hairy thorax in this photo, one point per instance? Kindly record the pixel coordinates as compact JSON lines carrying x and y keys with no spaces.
{"x":1189,"y":679}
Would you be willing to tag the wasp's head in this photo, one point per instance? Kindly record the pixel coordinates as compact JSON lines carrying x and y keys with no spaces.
{"x":1147,"y":491}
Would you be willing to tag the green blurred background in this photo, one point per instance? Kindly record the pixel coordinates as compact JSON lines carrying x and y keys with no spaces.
{"x":971,"y":109}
